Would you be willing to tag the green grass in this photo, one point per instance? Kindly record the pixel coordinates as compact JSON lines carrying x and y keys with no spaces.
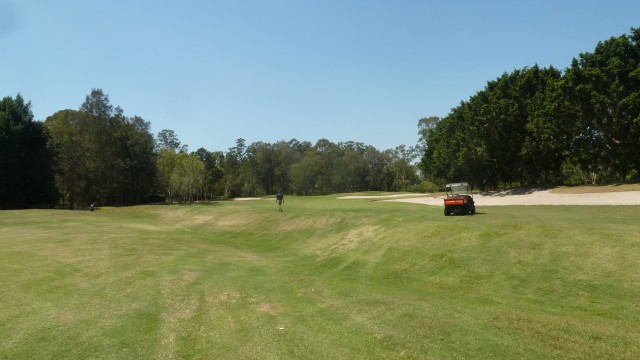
{"x":326,"y":279}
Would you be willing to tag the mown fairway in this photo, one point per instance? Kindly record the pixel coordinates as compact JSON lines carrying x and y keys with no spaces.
{"x":326,"y":279}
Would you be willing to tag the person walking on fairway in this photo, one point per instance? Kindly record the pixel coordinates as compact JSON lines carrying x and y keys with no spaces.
{"x":280,"y":200}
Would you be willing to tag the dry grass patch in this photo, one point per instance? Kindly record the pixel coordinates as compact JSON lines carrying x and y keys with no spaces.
{"x":307,"y":224}
{"x":236,"y":220}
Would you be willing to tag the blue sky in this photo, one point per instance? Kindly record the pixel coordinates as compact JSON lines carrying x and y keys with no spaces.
{"x":214,"y":71}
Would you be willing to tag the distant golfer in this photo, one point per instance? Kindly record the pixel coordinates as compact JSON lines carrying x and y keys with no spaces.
{"x":280,"y":200}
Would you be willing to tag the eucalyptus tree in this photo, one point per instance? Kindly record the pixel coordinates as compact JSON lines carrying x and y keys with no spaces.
{"x":259,"y":169}
{"x":350,"y":172}
{"x":400,"y":167}
{"x":165,"y":165}
{"x":100,"y":131}
{"x":68,"y":129}
{"x":97,"y":103}
{"x":213,"y":175}
{"x":116,"y":171}
{"x":425,"y":126}
{"x":376,"y":168}
{"x":305,"y":174}
{"x":286,"y":155}
{"x":187,"y":177}
{"x":167,"y":138}
{"x":327,"y":155}
{"x":135,"y":159}
{"x":232,"y":168}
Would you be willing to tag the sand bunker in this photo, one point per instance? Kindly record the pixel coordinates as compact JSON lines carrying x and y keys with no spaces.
{"x":533,"y":197}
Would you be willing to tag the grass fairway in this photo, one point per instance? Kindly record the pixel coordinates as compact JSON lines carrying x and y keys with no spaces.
{"x":326,"y":279}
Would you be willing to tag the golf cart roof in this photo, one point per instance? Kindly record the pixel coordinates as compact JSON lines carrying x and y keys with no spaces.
{"x":458,"y":186}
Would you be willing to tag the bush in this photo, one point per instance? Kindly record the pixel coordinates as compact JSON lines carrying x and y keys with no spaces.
{"x":425,"y":187}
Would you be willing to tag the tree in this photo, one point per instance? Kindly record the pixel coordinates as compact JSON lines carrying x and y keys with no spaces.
{"x":604,"y":91}
{"x":260,"y":167}
{"x":400,"y":168}
{"x":376,"y":167}
{"x":515,"y":131}
{"x":104,"y":155}
{"x":350,"y":172}
{"x":69,"y":137}
{"x":167,"y":139}
{"x":328,"y":154}
{"x":165,"y":165}
{"x":187,"y":177}
{"x":548,"y":129}
{"x":97,"y":104}
{"x":26,"y":158}
{"x":103,"y":170}
{"x":135,"y":160}
{"x":456,"y":151}
{"x":305,"y":174}
{"x":426,"y":125}
{"x":212,"y":179}
{"x":232,"y":169}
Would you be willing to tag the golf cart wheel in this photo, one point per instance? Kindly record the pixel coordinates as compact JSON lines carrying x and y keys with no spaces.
{"x":447,"y":211}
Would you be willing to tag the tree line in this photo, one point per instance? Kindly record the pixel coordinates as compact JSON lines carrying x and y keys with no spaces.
{"x":295,"y":167}
{"x":96,"y":154}
{"x":529,"y":127}
{"x":542,"y":126}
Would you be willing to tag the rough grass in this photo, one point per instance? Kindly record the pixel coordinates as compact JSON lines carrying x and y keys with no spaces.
{"x":326,"y":279}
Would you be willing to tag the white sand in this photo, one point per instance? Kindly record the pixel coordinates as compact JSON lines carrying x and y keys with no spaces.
{"x":543,"y":197}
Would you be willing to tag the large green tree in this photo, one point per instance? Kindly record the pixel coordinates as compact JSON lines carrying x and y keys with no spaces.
{"x":187,"y":177}
{"x":166,"y":139}
{"x":68,"y":129}
{"x":604,"y":91}
{"x":104,"y":155}
{"x":135,"y":160}
{"x":515,"y":131}
{"x":212,"y":184}
{"x":232,"y":168}
{"x":305,"y":174}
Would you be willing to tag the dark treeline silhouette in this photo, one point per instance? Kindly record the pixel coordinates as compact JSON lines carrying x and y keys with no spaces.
{"x":529,"y":127}
{"x":26,"y":158}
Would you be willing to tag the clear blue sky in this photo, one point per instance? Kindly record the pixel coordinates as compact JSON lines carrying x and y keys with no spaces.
{"x":214,"y":71}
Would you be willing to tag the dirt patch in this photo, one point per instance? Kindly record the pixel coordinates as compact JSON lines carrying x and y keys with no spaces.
{"x":310,"y":223}
{"x":271,"y":309}
{"x":348,"y":241}
{"x":143,"y":227}
{"x":235,"y":220}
